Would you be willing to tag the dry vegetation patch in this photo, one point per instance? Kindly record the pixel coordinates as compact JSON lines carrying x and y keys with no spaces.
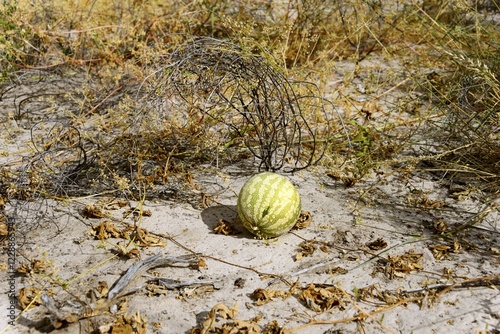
{"x":129,"y":101}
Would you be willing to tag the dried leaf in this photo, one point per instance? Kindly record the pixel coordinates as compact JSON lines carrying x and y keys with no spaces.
{"x":440,"y":251}
{"x":93,"y":211}
{"x":128,"y":252}
{"x":205,"y":200}
{"x":201,"y":263}
{"x":273,"y":328}
{"x":400,"y":265}
{"x":35,"y":266}
{"x":156,"y":290}
{"x":39,"y":266}
{"x":127,"y":324}
{"x":308,"y":247}
{"x":457,"y":247}
{"x":4,"y":231}
{"x":138,"y":212}
{"x":142,"y":237}
{"x":304,"y":220}
{"x":29,"y":298}
{"x":218,"y":310}
{"x":264,"y":296}
{"x":242,"y":326}
{"x":226,"y":228}
{"x":337,"y":271}
{"x":106,"y":230}
{"x":440,"y":226}
{"x":322,"y":298}
{"x":109,"y":203}
{"x":102,"y":288}
{"x":24,"y":269}
{"x":377,"y":244}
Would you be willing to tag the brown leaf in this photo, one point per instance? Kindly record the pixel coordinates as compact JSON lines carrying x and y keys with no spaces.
{"x":400,"y":265}
{"x":226,"y":228}
{"x":304,"y":220}
{"x":106,"y":230}
{"x":201,"y":263}
{"x":273,"y":328}
{"x":39,"y":266}
{"x":156,"y":290}
{"x":322,"y":298}
{"x":243,"y":326}
{"x":337,"y":271}
{"x":440,"y":251}
{"x":102,"y":288}
{"x":93,"y":211}
{"x":377,"y":244}
{"x":262,"y":296}
{"x":145,"y":239}
{"x":24,"y":269}
{"x":218,"y":310}
{"x":138,"y":212}
{"x":308,"y":247}
{"x":440,"y":226}
{"x":4,"y":231}
{"x":35,"y":266}
{"x":29,"y":298}
{"x":127,"y":324}
{"x":109,"y":203}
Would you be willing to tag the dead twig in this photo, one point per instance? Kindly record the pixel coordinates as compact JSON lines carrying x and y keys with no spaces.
{"x":140,"y":267}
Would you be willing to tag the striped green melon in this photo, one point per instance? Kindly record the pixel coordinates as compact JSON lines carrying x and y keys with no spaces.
{"x":268,"y":205}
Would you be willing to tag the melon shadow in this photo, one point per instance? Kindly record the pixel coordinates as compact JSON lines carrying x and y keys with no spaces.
{"x":229,"y":213}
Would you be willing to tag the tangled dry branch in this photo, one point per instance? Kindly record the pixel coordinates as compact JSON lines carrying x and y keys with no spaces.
{"x":241,"y":97}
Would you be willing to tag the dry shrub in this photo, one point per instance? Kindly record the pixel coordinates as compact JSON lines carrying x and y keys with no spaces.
{"x":232,"y":96}
{"x":474,"y":124}
{"x":466,"y":91}
{"x":217,"y":89}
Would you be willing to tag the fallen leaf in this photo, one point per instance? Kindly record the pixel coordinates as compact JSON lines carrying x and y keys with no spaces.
{"x":377,"y":244}
{"x":337,"y":271}
{"x":138,"y":212}
{"x":35,"y":266}
{"x":29,"y":298}
{"x":4,"y":231}
{"x":102,"y":288}
{"x":106,"y":230}
{"x":126,"y":324}
{"x":322,"y":298}
{"x":218,"y":310}
{"x":400,"y":265}
{"x":304,"y":220}
{"x":93,"y":211}
{"x":308,"y":248}
{"x":109,"y":203}
{"x":226,"y":228}
{"x":272,"y":328}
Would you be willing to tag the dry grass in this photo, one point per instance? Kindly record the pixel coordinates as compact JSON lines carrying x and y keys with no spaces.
{"x":121,"y":63}
{"x":129,"y":98}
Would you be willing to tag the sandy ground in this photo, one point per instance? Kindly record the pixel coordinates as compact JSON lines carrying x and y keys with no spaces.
{"x":374,"y":258}
{"x":237,"y":265}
